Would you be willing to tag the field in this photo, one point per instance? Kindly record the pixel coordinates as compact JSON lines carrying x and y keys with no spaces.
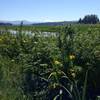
{"x":43,"y":28}
{"x":64,"y":65}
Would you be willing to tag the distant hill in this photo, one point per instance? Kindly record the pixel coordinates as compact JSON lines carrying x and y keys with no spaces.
{"x":1,"y":23}
{"x":54,"y":23}
{"x":17,"y":22}
{"x":37,"y":23}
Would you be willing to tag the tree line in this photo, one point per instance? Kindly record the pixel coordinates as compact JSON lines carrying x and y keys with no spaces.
{"x":89,"y":19}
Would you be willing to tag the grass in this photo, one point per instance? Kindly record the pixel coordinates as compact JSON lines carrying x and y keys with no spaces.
{"x":78,"y":27}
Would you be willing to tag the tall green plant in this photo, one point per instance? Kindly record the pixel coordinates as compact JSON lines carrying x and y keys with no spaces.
{"x":65,"y":44}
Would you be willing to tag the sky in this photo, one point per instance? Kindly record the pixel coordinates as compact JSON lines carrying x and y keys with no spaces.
{"x":47,"y":10}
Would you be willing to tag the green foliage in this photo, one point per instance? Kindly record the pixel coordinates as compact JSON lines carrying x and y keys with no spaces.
{"x":35,"y":66}
{"x":86,"y":45}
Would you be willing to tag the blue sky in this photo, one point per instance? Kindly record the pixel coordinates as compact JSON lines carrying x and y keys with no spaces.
{"x":47,"y":10}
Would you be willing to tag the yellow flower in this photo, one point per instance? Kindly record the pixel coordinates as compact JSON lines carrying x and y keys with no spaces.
{"x":73,"y":75}
{"x":0,"y":40}
{"x":57,"y":62}
{"x":72,"y":57}
{"x":72,"y":72}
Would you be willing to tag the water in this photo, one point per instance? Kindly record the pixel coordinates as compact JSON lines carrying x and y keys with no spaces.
{"x":46,"y":34}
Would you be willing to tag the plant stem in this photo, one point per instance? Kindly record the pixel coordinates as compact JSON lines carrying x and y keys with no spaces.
{"x":85,"y":86}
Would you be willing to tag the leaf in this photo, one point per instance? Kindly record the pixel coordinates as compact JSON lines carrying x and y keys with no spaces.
{"x":52,"y":74}
{"x":55,"y":98}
